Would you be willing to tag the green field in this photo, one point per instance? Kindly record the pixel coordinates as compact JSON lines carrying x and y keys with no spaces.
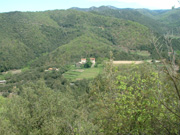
{"x":85,"y":73}
{"x":2,"y":101}
{"x":141,"y":53}
{"x":4,"y":76}
{"x":1,"y":77}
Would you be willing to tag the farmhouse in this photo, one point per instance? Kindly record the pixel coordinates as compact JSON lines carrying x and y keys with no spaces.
{"x":93,"y":60}
{"x":84,"y":60}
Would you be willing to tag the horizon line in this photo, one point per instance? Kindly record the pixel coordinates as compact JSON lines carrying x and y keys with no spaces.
{"x":82,"y":8}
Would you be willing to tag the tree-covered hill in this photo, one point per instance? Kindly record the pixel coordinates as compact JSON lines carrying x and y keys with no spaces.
{"x":87,"y":45}
{"x":172,"y":20}
{"x":142,"y":16}
{"x":152,"y":13}
{"x":25,"y":36}
{"x":169,"y":19}
{"x":160,"y":21}
{"x":130,"y":14}
{"x":100,"y":35}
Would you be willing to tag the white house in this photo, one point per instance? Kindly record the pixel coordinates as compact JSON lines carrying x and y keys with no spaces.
{"x":93,"y":60}
{"x":83,"y":61}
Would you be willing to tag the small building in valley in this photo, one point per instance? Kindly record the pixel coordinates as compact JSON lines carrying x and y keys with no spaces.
{"x":93,"y":60}
{"x":84,"y":60}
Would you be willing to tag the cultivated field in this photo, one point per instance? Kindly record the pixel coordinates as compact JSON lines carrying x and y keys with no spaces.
{"x":85,"y":73}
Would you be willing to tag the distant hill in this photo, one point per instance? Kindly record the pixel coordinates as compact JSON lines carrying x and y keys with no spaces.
{"x":131,"y":14}
{"x":168,"y":18}
{"x":152,"y":13}
{"x":160,"y":21}
{"x":172,"y":20}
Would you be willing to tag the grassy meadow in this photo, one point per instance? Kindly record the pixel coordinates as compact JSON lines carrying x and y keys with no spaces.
{"x":84,"y":73}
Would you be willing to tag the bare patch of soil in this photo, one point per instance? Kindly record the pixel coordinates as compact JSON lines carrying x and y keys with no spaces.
{"x":128,"y":62}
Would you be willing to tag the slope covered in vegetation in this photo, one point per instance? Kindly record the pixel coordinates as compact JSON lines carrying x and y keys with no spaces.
{"x":131,"y":14}
{"x":27,"y":36}
{"x":48,"y":97}
{"x":159,"y":21}
{"x":122,"y":100}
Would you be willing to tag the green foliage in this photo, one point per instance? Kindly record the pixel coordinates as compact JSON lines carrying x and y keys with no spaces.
{"x":121,"y":100}
{"x":38,"y":110}
{"x":88,"y":63}
{"x":53,"y":79}
{"x":2,"y":102}
{"x":127,"y":103}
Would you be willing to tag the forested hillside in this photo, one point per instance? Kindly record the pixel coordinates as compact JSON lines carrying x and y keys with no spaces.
{"x":130,"y":14}
{"x":160,"y":21}
{"x":171,"y":19}
{"x":28,"y":35}
{"x":168,"y":18}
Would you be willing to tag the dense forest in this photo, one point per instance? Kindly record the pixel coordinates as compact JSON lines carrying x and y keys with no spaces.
{"x":43,"y":91}
{"x":28,"y":36}
{"x":127,"y":99}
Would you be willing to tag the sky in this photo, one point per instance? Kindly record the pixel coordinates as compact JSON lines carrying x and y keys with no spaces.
{"x":42,"y":5}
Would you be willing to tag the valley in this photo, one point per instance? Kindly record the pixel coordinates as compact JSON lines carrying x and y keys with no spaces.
{"x":90,"y":71}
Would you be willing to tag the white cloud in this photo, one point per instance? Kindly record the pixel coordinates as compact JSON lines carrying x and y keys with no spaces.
{"x":146,"y":3}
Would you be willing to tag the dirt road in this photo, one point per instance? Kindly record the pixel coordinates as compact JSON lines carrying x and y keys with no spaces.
{"x":129,"y":62}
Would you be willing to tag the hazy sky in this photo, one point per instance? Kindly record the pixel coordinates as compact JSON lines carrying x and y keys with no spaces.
{"x":41,"y":5}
